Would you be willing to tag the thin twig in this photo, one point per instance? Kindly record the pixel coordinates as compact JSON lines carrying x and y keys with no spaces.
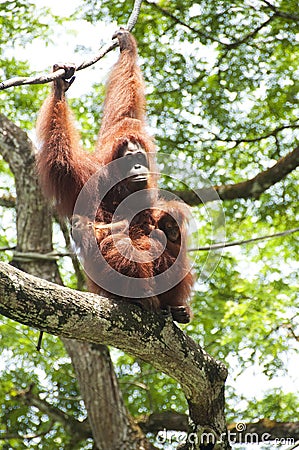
{"x":7,"y":248}
{"x":76,"y":265}
{"x":55,"y":255}
{"x":18,"y":81}
{"x":33,"y":256}
{"x":28,"y":437}
{"x":271,"y":133}
{"x":178,"y":21}
{"x":246,"y":241}
{"x":279,"y":13}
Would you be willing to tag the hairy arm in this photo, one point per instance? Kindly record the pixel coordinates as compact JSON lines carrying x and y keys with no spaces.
{"x":62,"y":165}
{"x":125,"y":88}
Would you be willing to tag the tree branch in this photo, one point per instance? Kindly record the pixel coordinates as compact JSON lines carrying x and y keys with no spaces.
{"x":92,"y":318}
{"x":251,"y":188}
{"x":18,"y":81}
{"x":245,"y":241}
{"x":28,"y":437}
{"x":272,"y":133}
{"x":178,"y":21}
{"x":250,"y":35}
{"x":134,"y":15}
{"x":81,"y":281}
{"x":169,"y":420}
{"x":53,"y":256}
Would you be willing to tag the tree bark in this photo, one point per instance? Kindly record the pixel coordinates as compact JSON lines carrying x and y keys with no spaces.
{"x":111,"y":425}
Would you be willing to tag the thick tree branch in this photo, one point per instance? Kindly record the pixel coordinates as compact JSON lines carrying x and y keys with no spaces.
{"x":88,"y":317}
{"x":18,"y":81}
{"x":251,"y":188}
{"x":168,"y":420}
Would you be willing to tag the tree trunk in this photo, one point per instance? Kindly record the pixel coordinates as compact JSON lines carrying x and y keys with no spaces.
{"x":111,"y":427}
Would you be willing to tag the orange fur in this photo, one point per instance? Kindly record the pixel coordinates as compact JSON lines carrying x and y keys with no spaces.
{"x":64,"y":168}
